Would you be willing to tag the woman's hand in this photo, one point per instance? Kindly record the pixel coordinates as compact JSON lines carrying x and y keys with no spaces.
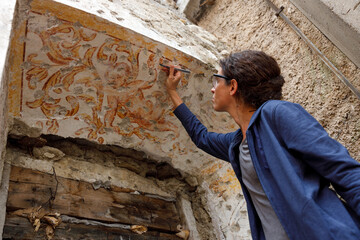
{"x":171,"y":84}
{"x":173,"y":79}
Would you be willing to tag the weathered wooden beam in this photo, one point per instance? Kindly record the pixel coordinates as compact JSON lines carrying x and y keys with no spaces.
{"x":20,"y":228}
{"x":29,"y":188}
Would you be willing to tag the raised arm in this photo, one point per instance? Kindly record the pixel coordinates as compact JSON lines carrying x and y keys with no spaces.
{"x":213,"y":143}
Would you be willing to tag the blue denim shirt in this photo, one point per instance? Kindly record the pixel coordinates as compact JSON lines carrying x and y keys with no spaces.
{"x":295,"y":160}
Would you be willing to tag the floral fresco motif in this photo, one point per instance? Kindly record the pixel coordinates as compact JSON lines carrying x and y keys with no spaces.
{"x":71,"y":72}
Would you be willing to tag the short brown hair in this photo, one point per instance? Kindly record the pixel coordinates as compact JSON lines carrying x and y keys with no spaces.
{"x":257,"y":74}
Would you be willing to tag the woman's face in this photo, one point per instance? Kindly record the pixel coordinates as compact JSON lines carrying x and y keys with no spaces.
{"x":221,"y":94}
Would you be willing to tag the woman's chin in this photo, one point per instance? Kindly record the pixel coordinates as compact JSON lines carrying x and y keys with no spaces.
{"x":216,"y":108}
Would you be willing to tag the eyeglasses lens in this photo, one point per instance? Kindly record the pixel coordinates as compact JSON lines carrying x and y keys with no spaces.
{"x":214,"y":81}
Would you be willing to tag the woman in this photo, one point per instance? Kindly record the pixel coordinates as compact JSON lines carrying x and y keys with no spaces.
{"x":285,"y":161}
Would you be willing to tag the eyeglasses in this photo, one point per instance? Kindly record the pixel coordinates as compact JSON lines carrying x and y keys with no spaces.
{"x":215,"y":79}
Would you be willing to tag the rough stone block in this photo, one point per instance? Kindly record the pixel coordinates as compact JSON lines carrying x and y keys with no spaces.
{"x":189,"y":7}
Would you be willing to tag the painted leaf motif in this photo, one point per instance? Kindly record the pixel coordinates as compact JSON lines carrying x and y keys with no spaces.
{"x":57,"y":90}
{"x":74,"y":106}
{"x":92,"y":134}
{"x":36,"y":73}
{"x":85,"y":37}
{"x":40,"y":73}
{"x":49,"y":109}
{"x":86,"y":118}
{"x":69,"y":78}
{"x":52,"y":81}
{"x":113,"y":58}
{"x":75,"y":52}
{"x":88,"y":57}
{"x":82,"y":130}
{"x":53,"y":126}
{"x":55,"y":54}
{"x":30,"y":58}
{"x":97,"y":121}
{"x":86,"y":98}
{"x":35,"y":104}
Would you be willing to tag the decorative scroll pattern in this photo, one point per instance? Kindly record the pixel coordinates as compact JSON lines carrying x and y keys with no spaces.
{"x":109,"y":84}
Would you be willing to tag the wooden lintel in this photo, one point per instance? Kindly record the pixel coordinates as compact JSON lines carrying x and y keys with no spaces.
{"x":20,"y":228}
{"x":29,"y":188}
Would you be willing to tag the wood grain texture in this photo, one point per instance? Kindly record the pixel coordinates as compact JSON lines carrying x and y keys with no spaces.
{"x":29,"y":188}
{"x":20,"y":228}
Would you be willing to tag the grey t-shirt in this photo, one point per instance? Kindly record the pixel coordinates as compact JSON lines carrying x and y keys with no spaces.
{"x":270,"y":222}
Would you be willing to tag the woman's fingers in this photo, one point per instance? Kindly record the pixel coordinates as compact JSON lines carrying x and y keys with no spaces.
{"x":171,"y":70}
{"x":173,"y":78}
{"x":171,"y":83}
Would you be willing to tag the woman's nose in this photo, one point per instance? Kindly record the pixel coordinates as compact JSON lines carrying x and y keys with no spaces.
{"x":213,"y":89}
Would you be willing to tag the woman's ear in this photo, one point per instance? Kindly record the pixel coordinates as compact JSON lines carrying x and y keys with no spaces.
{"x":233,"y":87}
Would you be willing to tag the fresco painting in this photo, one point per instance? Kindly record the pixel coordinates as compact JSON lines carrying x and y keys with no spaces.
{"x":76,"y":74}
{"x":107,"y":83}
